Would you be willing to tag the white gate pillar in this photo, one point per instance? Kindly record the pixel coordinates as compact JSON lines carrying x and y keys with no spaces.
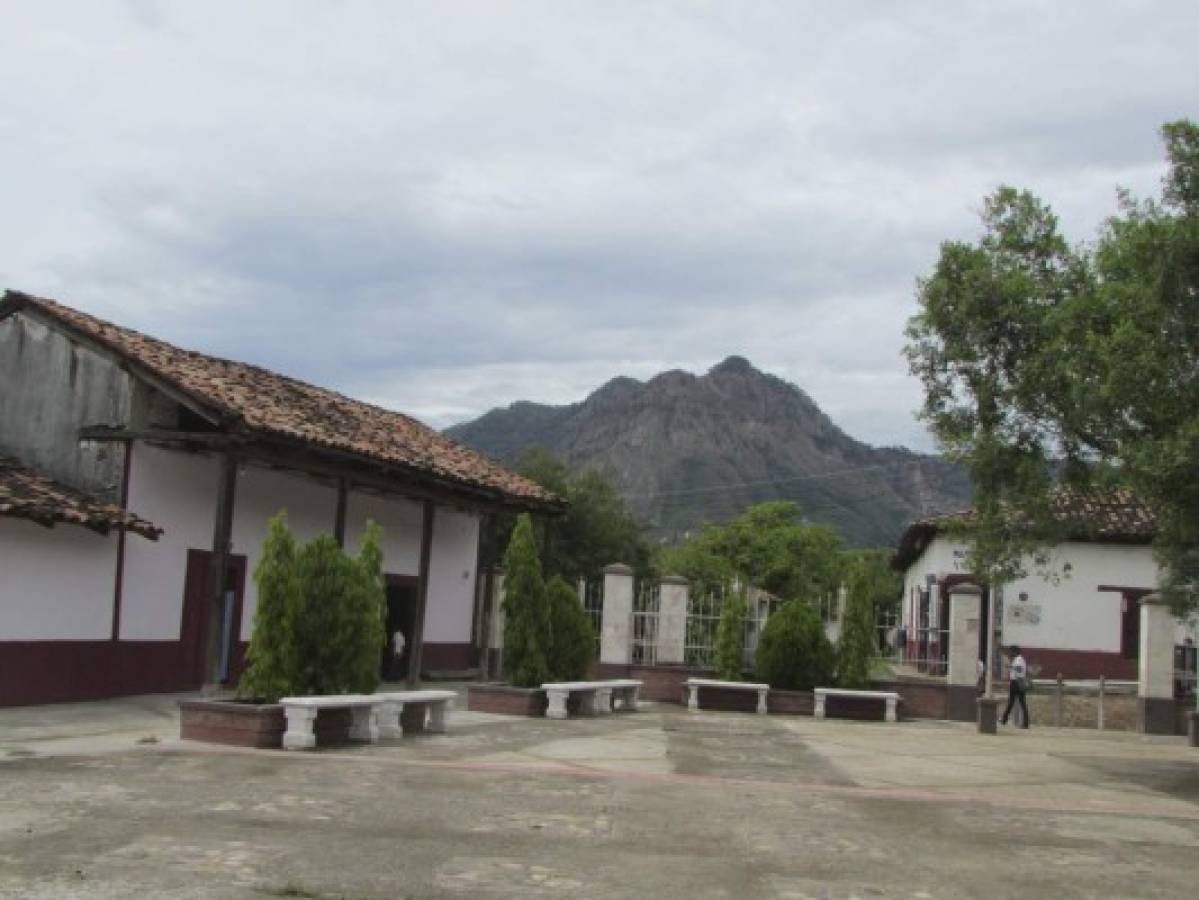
{"x":1155,"y":682}
{"x":618,"y":615}
{"x":961,"y":676}
{"x":672,"y":620}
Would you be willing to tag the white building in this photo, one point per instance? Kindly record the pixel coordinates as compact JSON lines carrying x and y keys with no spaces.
{"x":1076,"y":613}
{"x":161,"y":467}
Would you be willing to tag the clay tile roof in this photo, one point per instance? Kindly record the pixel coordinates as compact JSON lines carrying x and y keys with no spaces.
{"x":25,"y":494}
{"x":1115,"y":515}
{"x":255,"y":400}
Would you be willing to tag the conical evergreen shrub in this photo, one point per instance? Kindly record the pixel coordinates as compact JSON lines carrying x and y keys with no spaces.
{"x":572,"y":639}
{"x":730,"y":637}
{"x":271,"y":656}
{"x":526,"y":614}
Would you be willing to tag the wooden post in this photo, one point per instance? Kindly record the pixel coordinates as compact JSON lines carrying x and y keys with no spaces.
{"x":1102,"y":690}
{"x":222,"y":532}
{"x":339,"y":520}
{"x":422,"y":592}
{"x":1057,"y":711}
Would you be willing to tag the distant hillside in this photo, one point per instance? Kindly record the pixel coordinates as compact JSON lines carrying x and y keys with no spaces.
{"x":689,"y":449}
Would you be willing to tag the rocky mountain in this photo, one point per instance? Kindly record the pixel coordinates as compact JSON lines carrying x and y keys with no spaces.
{"x":687,"y":449}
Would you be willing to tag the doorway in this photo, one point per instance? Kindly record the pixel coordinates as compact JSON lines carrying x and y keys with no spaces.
{"x":402,"y":595}
{"x":204,"y":626}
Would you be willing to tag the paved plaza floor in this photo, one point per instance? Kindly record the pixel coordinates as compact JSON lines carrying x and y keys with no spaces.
{"x":103,"y":800}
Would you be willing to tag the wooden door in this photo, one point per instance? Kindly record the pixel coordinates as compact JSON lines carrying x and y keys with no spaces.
{"x":199,"y":616}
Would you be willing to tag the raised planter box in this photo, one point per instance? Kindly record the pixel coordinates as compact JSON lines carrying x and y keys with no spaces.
{"x":253,"y":724}
{"x":790,"y":703}
{"x":506,"y":700}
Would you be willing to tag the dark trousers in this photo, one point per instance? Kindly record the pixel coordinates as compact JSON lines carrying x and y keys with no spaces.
{"x":1015,"y":691}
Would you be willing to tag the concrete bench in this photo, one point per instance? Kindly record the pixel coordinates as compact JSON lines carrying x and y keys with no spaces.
{"x":301,"y":712}
{"x":694,"y":684}
{"x":596,"y":697}
{"x":891,"y":698}
{"x":391,"y":710}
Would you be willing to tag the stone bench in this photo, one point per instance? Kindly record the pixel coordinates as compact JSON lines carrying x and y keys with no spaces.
{"x":694,"y":685}
{"x":595,"y":696}
{"x":300,"y":713}
{"x":891,"y":698}
{"x":392,"y":704}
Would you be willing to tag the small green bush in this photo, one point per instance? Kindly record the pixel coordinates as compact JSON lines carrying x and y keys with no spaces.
{"x":856,"y":645}
{"x":318,"y":628}
{"x":793,"y":652}
{"x":572,"y":639}
{"x":730,"y":638}
{"x":526,"y":614}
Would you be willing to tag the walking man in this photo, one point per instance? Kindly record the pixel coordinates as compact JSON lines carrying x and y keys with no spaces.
{"x":1017,"y":684}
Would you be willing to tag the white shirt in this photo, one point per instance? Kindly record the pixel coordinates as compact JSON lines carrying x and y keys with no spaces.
{"x":397,"y":643}
{"x":1018,"y":669}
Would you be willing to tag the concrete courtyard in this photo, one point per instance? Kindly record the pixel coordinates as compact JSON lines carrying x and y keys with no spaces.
{"x":102,"y":800}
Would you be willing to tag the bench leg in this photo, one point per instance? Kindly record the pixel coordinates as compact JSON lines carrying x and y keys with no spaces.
{"x":692,"y":697}
{"x":819,"y":713}
{"x":557,"y":704}
{"x":761,"y":703}
{"x":365,"y":724}
{"x":890,"y":713}
{"x":603,"y":701}
{"x":437,"y":717}
{"x":389,"y":720}
{"x":300,"y":733}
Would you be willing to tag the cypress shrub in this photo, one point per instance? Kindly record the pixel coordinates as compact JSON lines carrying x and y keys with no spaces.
{"x":856,"y":645}
{"x":270,"y":656}
{"x":572,"y":639}
{"x":526,"y":614}
{"x":730,"y":638}
{"x":318,"y":628}
{"x":793,"y":652}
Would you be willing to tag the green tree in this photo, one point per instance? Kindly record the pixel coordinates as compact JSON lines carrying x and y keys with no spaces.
{"x":271,"y":658}
{"x":855,"y":647}
{"x":1037,"y":357}
{"x":526,"y":614}
{"x":768,"y":546}
{"x":730,"y":637}
{"x":572,"y":639}
{"x":793,"y":652}
{"x":596,"y":529}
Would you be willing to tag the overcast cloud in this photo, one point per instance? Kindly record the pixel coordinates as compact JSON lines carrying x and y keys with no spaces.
{"x":447,"y":206}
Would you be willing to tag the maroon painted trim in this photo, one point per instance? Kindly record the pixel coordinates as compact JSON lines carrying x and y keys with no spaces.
{"x":119,"y":579}
{"x":1079,"y":663}
{"x":447,"y":657}
{"x":59,"y":671}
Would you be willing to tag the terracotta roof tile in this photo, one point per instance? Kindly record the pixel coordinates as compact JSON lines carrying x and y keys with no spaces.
{"x":1115,"y":515}
{"x":263,"y":402}
{"x":26,"y":494}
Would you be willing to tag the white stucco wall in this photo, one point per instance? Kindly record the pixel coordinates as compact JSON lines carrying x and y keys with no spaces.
{"x":56,"y":583}
{"x":261,"y":493}
{"x":177,"y":492}
{"x":401,"y":522}
{"x":452,"y":564}
{"x":1071,"y":612}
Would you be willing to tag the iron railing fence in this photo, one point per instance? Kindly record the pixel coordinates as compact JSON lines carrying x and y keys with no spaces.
{"x":592,"y":590}
{"x":643,"y":630}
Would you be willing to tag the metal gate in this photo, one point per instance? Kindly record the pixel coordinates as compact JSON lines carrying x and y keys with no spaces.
{"x":643,"y":631}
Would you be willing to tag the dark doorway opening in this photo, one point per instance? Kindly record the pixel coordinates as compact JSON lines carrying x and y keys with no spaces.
{"x":200,"y":620}
{"x":402,"y":596}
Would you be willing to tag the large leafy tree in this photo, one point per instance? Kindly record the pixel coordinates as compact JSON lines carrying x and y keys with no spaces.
{"x":768,"y":546}
{"x":597,"y":528}
{"x":1040,"y":360}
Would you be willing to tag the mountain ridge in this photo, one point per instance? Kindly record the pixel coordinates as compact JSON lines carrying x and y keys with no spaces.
{"x":685,"y":449}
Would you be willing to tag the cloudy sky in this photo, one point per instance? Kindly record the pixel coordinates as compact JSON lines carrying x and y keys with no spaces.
{"x":446,"y":206}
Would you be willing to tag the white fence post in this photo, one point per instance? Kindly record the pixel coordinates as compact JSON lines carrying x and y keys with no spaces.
{"x":961,"y":676}
{"x":672,"y":620}
{"x":618,"y":615}
{"x":1155,"y":682}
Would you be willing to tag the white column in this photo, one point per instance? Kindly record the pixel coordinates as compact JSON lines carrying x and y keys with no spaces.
{"x":1155,"y":683}
{"x":672,"y":620}
{"x":618,"y":612}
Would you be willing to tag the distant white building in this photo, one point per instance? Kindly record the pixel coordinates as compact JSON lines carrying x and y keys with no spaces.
{"x":1081,"y":622}
{"x":136,"y":482}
